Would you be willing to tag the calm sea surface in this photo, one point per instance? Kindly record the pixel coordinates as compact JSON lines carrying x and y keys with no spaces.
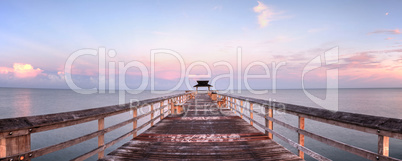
{"x":16,"y":102}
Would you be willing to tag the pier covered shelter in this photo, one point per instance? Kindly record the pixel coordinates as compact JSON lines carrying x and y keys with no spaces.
{"x":203,"y":83}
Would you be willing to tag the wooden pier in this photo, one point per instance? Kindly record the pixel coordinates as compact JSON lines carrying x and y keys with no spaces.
{"x":211,"y":127}
{"x":202,"y":132}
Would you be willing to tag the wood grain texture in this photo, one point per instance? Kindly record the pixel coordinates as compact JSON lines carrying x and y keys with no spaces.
{"x":53,"y":121}
{"x":391,"y":127}
{"x":343,"y":146}
{"x":101,"y":138}
{"x":63,"y":145}
{"x":301,"y":136}
{"x":3,"y":148}
{"x":203,"y":132}
{"x":251,"y":113}
{"x":383,"y":145}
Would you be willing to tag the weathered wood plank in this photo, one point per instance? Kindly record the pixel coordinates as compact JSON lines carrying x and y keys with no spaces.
{"x":391,"y":127}
{"x":343,"y":146}
{"x":203,"y":133}
{"x":3,"y":148}
{"x":301,"y":136}
{"x":135,"y":121}
{"x":101,"y":137}
{"x":53,"y":121}
{"x":269,"y":113}
{"x":63,"y":145}
{"x":111,"y":143}
{"x":383,"y":145}
{"x":292,"y":143}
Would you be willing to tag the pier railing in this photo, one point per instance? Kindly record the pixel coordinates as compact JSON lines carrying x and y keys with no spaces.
{"x":15,"y":133}
{"x":381,"y":126}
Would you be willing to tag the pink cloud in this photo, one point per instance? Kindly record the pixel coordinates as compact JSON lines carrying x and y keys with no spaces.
{"x":396,"y":31}
{"x":5,"y":70}
{"x":362,"y":57}
{"x":25,"y":70}
{"x":265,"y":14}
{"x":20,"y":70}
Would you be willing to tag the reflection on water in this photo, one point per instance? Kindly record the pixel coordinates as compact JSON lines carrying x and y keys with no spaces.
{"x":23,"y":103}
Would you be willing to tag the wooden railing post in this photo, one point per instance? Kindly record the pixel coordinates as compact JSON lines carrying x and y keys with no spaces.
{"x":301,"y":136}
{"x":162,"y":110}
{"x":135,"y":121}
{"x":241,"y":108}
{"x":168,"y":105}
{"x":101,"y":138}
{"x":3,"y":147}
{"x":268,"y":123}
{"x":15,"y":143}
{"x":171,"y":106}
{"x":152,"y":114}
{"x":234,"y":104}
{"x":383,"y":145}
{"x":227,"y":102}
{"x":251,"y":113}
{"x":231,"y":103}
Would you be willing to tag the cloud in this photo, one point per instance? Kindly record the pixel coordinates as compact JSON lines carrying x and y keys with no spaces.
{"x":361,"y":57}
{"x":389,"y":38}
{"x":265,"y":14}
{"x":5,"y":70}
{"x":386,"y":14}
{"x":20,"y":70}
{"x":25,"y":70}
{"x":56,"y":78}
{"x":396,"y":31}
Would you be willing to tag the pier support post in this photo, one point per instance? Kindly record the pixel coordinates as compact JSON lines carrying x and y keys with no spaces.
{"x":162,"y":110}
{"x":231,"y":103}
{"x":301,"y":136}
{"x":234,"y":104}
{"x":3,"y":147}
{"x":269,"y":124}
{"x":152,"y":114}
{"x":227,"y":102}
{"x":383,"y":145}
{"x":171,"y":106}
{"x":241,"y":108}
{"x":15,"y":143}
{"x":135,"y":121}
{"x":251,"y":113}
{"x":101,"y":138}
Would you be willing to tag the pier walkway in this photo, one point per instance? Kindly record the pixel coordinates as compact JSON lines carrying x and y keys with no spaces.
{"x":202,"y":132}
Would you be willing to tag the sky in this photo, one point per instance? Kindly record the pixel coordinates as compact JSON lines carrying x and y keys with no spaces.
{"x":37,"y":39}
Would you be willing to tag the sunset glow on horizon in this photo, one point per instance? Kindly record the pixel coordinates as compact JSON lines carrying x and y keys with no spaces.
{"x":37,"y":38}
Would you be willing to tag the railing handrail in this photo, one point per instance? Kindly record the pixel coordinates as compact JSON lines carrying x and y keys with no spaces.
{"x":91,"y":114}
{"x":32,"y":123}
{"x":381,"y":125}
{"x":240,"y":103}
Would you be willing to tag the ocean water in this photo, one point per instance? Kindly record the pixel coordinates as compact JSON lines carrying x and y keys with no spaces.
{"x":16,"y":102}
{"x":378,"y":102}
